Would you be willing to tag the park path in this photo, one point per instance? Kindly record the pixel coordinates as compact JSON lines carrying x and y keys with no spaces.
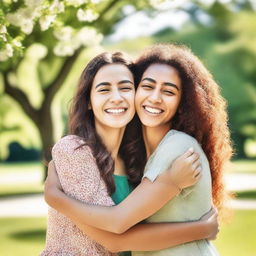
{"x":34,"y":205}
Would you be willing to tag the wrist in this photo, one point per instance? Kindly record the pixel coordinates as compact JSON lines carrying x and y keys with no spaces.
{"x":205,"y":228}
{"x":176,"y":186}
{"x":51,"y":195}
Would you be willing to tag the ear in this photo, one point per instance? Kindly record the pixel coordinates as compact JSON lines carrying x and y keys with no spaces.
{"x":89,"y":106}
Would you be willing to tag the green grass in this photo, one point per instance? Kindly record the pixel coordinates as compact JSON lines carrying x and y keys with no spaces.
{"x":244,"y":166}
{"x":9,"y":190}
{"x":21,"y":188}
{"x":238,"y":237}
{"x":21,"y":167}
{"x":251,"y":194}
{"x":26,"y":236}
{"x":22,"y":236}
{"x":238,"y":166}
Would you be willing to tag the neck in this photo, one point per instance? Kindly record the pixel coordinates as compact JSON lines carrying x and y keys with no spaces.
{"x":152,"y":137}
{"x":111,"y":137}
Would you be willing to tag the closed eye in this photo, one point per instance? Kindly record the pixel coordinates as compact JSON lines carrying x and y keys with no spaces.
{"x":147,"y":86}
{"x":103,"y":90}
{"x":126,"y":89}
{"x":169,"y":92}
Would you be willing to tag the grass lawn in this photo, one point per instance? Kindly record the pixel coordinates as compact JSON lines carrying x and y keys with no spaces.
{"x":22,"y":236}
{"x":8,"y":190}
{"x":30,"y":182}
{"x":35,"y":186}
{"x":238,"y":237}
{"x":244,"y":166}
{"x":25,"y":236}
{"x":20,"y":166}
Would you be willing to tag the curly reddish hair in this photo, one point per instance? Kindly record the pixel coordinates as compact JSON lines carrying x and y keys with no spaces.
{"x":202,"y":110}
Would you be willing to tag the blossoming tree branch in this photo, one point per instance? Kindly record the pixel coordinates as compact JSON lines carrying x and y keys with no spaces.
{"x":57,"y":30}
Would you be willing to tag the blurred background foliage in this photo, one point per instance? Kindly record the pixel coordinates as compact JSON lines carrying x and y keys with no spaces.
{"x":44,"y":46}
{"x":38,"y":80}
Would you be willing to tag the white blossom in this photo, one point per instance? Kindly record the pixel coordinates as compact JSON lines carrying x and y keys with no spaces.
{"x":95,"y":1}
{"x":3,"y":29}
{"x":9,"y":50}
{"x":45,"y":21}
{"x":156,"y":3}
{"x":166,"y":4}
{"x":88,"y":36}
{"x":57,"y":6}
{"x":64,"y":33}
{"x":6,"y":53}
{"x":63,"y":49}
{"x":3,"y":37}
{"x":27,"y":26}
{"x":33,"y":2}
{"x":29,"y":12}
{"x":16,"y":43}
{"x":76,"y":3}
{"x":13,"y":19}
{"x":87,"y":15}
{"x":3,"y":55}
{"x":38,"y":51}
{"x":23,"y":16}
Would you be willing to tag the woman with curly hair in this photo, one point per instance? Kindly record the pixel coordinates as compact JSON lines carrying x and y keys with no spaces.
{"x":180,"y":107}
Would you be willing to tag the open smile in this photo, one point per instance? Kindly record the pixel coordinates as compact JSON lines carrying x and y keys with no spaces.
{"x":153,"y":110}
{"x":115,"y":111}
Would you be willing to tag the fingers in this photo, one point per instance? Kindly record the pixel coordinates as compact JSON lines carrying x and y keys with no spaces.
{"x":50,"y":163}
{"x":197,"y":174}
{"x":188,"y":153}
{"x":193,"y":158}
{"x":196,"y":165}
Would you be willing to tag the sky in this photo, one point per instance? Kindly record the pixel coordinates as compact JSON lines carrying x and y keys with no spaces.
{"x":169,"y":15}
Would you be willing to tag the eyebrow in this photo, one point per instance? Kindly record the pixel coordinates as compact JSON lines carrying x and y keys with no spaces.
{"x":108,"y":84}
{"x":165,"y":83}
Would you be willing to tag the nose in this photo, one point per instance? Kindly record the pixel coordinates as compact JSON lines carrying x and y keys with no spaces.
{"x":116,"y":97}
{"x":155,"y":97}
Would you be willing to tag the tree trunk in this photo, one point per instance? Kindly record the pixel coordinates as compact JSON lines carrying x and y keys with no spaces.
{"x":45,"y":127}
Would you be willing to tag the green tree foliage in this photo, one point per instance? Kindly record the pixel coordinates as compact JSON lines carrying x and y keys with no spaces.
{"x":227,"y":45}
{"x":41,"y":40}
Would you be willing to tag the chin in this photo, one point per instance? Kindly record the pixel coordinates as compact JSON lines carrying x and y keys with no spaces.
{"x":150,"y":124}
{"x":118,"y":125}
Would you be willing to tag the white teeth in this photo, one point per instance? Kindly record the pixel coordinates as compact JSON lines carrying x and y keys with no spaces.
{"x":115,"y":111}
{"x":153,"y":110}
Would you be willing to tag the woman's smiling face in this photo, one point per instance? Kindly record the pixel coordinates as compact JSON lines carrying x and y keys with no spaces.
{"x":158,"y":95}
{"x":112,"y":96}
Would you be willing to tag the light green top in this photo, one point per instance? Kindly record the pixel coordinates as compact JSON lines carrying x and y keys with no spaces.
{"x":191,"y":203}
{"x":123,"y":189}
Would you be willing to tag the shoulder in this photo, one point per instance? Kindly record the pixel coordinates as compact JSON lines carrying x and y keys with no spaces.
{"x":71,"y":144}
{"x":176,"y":138}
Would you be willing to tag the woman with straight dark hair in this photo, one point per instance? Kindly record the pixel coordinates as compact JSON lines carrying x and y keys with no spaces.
{"x":97,"y":165}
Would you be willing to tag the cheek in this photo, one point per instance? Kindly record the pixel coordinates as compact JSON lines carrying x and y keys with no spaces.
{"x":132,"y":97}
{"x":173,"y":104}
{"x":96,"y":103}
{"x":138,"y":96}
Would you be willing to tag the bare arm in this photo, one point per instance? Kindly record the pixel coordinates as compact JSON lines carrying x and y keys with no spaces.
{"x":151,"y":237}
{"x":146,"y":237}
{"x":145,"y":200}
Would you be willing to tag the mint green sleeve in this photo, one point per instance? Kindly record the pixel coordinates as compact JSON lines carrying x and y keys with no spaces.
{"x":170,"y":149}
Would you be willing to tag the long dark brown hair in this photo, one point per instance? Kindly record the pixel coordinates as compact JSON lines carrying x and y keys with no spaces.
{"x":202,"y":110}
{"x":81,"y":123}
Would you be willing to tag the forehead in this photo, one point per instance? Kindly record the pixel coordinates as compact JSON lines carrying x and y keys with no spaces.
{"x":162,"y":73}
{"x":158,"y":70}
{"x":113,"y":73}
